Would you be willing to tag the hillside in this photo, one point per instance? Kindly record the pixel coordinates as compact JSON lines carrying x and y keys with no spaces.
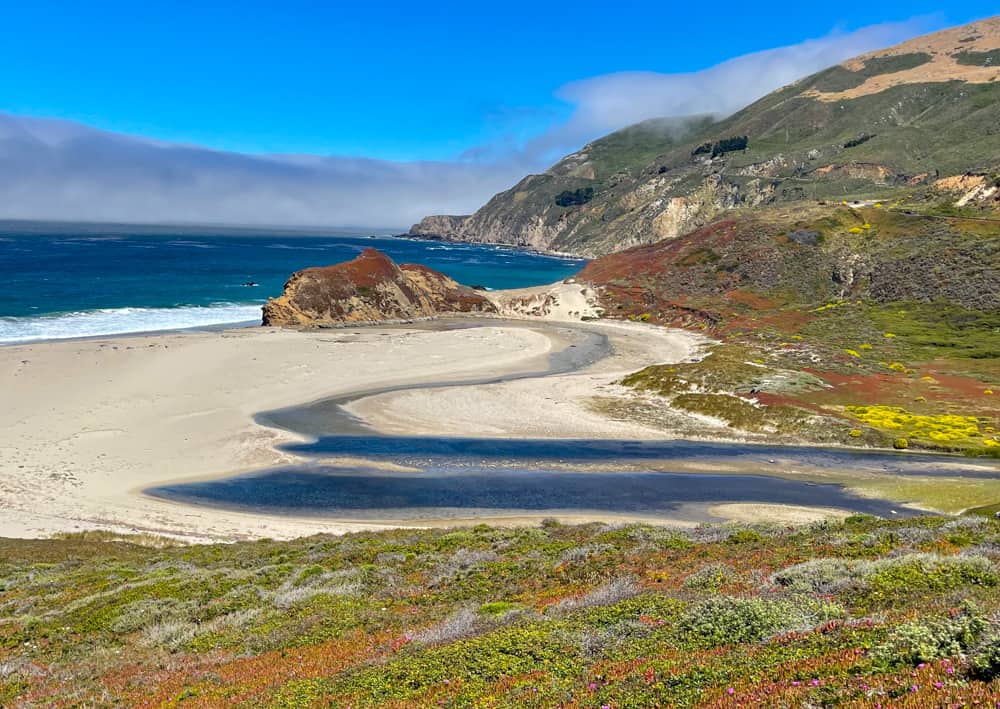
{"x":859,"y":613}
{"x":854,"y":326}
{"x":917,"y":121}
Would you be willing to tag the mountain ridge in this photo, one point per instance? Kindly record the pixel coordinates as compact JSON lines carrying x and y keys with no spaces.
{"x":934,"y":115}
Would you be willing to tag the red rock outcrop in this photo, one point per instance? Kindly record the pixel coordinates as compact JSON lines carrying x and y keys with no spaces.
{"x":370,"y":288}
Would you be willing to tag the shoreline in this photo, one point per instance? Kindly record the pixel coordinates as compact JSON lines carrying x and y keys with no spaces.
{"x":96,"y":421}
{"x":215,"y":327}
{"x":91,"y":421}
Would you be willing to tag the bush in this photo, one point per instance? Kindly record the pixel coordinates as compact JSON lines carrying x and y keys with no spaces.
{"x":462,"y":624}
{"x":860,"y":140}
{"x":923,"y":641}
{"x":924,"y":572}
{"x":889,"y":577}
{"x":721,"y":147}
{"x":722,"y":620}
{"x":570,"y":198}
{"x":817,"y":576}
{"x":607,"y":595}
{"x":711,"y":577}
{"x":729,"y":145}
{"x":985,"y":659}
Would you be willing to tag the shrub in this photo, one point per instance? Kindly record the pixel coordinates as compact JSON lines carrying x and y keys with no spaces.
{"x":462,"y":624}
{"x":498,"y":608}
{"x":604,"y":642}
{"x":923,"y":572}
{"x":723,"y":146}
{"x":711,"y":577}
{"x":462,"y":563}
{"x":923,"y":641}
{"x":860,"y":140}
{"x":569,"y":198}
{"x":578,"y":555}
{"x":607,"y":595}
{"x":901,"y":444}
{"x":722,"y":620}
{"x":745,"y":536}
{"x":729,"y":145}
{"x":817,"y":576}
{"x":889,"y":577}
{"x":985,"y":658}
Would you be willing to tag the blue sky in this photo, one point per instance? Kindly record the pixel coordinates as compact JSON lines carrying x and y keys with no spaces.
{"x":398,"y":81}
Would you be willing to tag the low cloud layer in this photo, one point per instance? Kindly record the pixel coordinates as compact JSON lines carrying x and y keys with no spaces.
{"x":612,"y":101}
{"x":61,"y":170}
{"x":66,"y":171}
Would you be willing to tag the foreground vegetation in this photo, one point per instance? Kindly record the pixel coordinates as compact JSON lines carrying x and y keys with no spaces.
{"x":863,"y":613}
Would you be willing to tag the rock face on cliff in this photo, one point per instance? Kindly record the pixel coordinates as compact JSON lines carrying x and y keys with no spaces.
{"x":370,"y":288}
{"x":888,"y":124}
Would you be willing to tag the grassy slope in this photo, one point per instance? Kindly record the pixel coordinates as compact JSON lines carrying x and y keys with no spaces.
{"x":919,"y":131}
{"x":878,"y":309}
{"x":584,"y":616}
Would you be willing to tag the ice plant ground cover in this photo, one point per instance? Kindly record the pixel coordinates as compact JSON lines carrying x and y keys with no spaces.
{"x":862,"y":613}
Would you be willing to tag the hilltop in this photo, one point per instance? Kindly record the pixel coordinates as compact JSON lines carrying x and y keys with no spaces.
{"x":915,"y":122}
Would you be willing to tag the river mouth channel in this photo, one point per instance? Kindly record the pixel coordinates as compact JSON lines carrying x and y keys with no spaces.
{"x":352,"y":472}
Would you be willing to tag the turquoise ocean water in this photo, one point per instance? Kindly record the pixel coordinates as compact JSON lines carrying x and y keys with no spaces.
{"x":62,"y":282}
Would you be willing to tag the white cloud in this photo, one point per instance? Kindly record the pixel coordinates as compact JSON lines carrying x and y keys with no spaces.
{"x":606,"y":103}
{"x":52,"y":169}
{"x":62,"y":170}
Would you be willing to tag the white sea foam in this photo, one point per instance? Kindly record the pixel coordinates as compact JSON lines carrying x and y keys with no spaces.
{"x":119,"y":321}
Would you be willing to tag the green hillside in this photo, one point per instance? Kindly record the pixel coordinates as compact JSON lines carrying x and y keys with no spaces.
{"x":886,"y":126}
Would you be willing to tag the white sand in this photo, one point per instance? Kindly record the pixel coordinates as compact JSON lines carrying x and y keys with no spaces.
{"x":756,"y":513}
{"x":553,"y":407}
{"x":86,"y":425}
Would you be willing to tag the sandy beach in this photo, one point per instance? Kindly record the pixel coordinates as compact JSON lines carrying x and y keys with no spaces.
{"x":86,"y":425}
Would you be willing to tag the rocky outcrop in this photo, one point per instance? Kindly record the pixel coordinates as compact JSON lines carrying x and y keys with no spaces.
{"x":443,"y":226}
{"x":970,"y":189}
{"x":566,"y":301}
{"x":370,"y":288}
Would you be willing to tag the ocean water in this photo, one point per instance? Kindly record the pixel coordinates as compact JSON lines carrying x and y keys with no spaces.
{"x":63,"y":283}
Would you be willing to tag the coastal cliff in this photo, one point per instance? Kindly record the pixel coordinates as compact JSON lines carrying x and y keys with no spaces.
{"x":370,"y":288}
{"x":913,"y":123}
